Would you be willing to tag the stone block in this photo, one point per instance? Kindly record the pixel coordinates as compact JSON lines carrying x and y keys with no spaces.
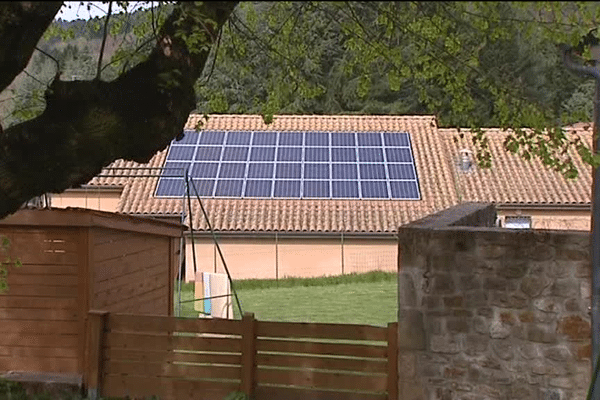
{"x":550,"y":394}
{"x":454,"y":372}
{"x":562,"y":382}
{"x":481,"y":325}
{"x":434,"y":326}
{"x":541,"y":252}
{"x":499,"y":330}
{"x":407,"y":295}
{"x":583,"y":269}
{"x":443,"y":284}
{"x":485,"y":311}
{"x":407,"y":365}
{"x":533,"y":286}
{"x":431,"y":302}
{"x":572,"y":305}
{"x":541,"y":334}
{"x":476,"y":299}
{"x":565,"y":288}
{"x":491,"y":251}
{"x":444,"y":261}
{"x":546,"y":305}
{"x":446,"y":344}
{"x":456,"y":301}
{"x":526,"y":316}
{"x":503,"y":349}
{"x":558,"y":269}
{"x":575,"y":328}
{"x":457,"y":325}
{"x":513,"y":269}
{"x":517,"y":300}
{"x":411,"y":391}
{"x":469,"y":282}
{"x":495,"y":283}
{"x":476,"y":345}
{"x":572,"y":254}
{"x":411,"y":332}
{"x":507,"y":317}
{"x":584,"y":352}
{"x":529,"y":351}
{"x":557,"y":353}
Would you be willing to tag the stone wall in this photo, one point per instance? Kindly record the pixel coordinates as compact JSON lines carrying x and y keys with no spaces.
{"x":492,"y":313}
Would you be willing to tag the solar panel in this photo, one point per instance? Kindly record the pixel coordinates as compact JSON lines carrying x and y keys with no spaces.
{"x":265,"y":164}
{"x":287,"y":188}
{"x":316,"y":189}
{"x":181,"y":153}
{"x":258,"y":188}
{"x":189,"y":137}
{"x":212,"y":137}
{"x":262,"y":154}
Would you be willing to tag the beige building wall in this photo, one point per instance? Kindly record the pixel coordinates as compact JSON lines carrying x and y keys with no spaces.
{"x":268,"y":258}
{"x":579,"y":220}
{"x":102,"y":200}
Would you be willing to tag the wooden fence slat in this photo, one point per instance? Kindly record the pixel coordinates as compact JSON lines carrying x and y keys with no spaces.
{"x":37,"y":314}
{"x":322,"y":380}
{"x":335,"y":349}
{"x":38,"y":340}
{"x":168,"y":370}
{"x":95,"y":335}
{"x":41,"y":269}
{"x":39,"y":364}
{"x":316,"y":330}
{"x":392,"y":364}
{"x":37,"y":302}
{"x":154,"y":323}
{"x":41,"y":291}
{"x":42,"y":279}
{"x":248,"y":355}
{"x":326,"y":363}
{"x":39,"y":327}
{"x":38,"y":352}
{"x":171,"y":356}
{"x":288,"y":393}
{"x":164,"y":342}
{"x":165,"y":388}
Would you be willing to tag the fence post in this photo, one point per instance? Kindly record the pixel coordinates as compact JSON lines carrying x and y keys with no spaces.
{"x":248,"y":354}
{"x":94,"y":341}
{"x":392,"y":362}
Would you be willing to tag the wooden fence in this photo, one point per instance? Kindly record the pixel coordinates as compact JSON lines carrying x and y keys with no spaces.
{"x":176,"y":358}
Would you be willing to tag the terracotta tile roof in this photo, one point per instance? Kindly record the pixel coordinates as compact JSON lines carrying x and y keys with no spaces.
{"x":307,"y":215}
{"x":513,"y":180}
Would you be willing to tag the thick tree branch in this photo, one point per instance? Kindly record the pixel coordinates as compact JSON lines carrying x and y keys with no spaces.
{"x":88,"y":124}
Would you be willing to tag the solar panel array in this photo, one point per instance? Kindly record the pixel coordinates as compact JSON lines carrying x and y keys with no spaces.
{"x":268,"y":164}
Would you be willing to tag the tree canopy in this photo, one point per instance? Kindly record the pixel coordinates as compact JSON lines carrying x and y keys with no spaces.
{"x":122,"y":86}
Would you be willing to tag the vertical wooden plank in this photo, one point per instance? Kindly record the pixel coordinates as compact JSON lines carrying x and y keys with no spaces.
{"x":248,"y":354}
{"x":171,"y":272}
{"x":84,"y":248}
{"x":96,"y":324}
{"x":392,"y":354}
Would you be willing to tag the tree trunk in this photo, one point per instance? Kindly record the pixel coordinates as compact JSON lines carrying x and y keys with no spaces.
{"x":88,"y":124}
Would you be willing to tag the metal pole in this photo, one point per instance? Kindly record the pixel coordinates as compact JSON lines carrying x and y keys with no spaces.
{"x":595,"y":232}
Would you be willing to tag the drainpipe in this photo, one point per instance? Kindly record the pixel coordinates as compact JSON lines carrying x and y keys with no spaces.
{"x":595,"y":237}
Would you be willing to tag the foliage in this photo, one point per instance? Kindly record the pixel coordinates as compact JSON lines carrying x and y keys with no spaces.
{"x":10,"y":390}
{"x":236,"y":396}
{"x":6,"y":262}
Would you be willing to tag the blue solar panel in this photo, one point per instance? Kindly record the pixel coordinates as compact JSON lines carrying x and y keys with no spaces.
{"x":404,"y":190}
{"x":316,"y":154}
{"x":170,"y":187}
{"x":189,"y":137}
{"x":398,"y":154}
{"x":368,"y":139}
{"x":229,"y":188}
{"x":316,"y":189}
{"x":208,"y":153}
{"x":264,"y":139}
{"x":317,"y":139}
{"x":316,"y":171}
{"x":204,"y":187}
{"x":372,"y":171}
{"x":204,"y":170}
{"x":290,"y":139}
{"x":175,"y":169}
{"x":289,"y":154}
{"x":396,"y":139}
{"x":238,"y":138}
{"x":262,"y":154}
{"x":258,"y":188}
{"x":212,"y":137}
{"x":342,"y":139}
{"x":401,"y":171}
{"x":343,"y":154}
{"x":260,"y":170}
{"x":287,"y":188}
{"x":235,"y":153}
{"x":344,"y":189}
{"x":183,"y":153}
{"x":367,"y":154}
{"x":374,"y":189}
{"x":232,"y":170}
{"x":344,"y":171}
{"x":266,"y":164}
{"x":288,"y":170}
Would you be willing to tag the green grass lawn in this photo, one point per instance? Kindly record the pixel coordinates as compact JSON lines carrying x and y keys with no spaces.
{"x":369,"y":298}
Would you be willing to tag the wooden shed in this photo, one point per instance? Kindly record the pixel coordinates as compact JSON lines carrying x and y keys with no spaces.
{"x":74,"y":260}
